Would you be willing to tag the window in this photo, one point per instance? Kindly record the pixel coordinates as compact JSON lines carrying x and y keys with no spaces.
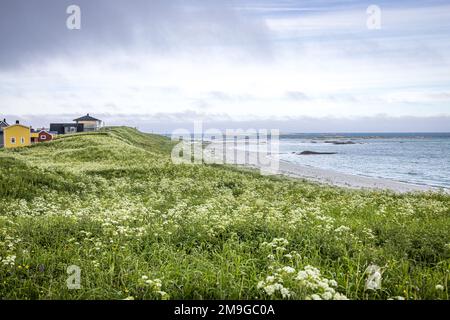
{"x":43,"y":137}
{"x":22,"y":140}
{"x":13,"y":140}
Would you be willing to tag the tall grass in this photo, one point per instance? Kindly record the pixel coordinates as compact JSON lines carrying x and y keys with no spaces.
{"x":140,"y":226}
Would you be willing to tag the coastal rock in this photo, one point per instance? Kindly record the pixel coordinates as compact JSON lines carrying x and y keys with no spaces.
{"x":305,"y":153}
{"x":340,"y":142}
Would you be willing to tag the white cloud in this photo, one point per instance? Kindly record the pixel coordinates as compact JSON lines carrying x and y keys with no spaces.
{"x":313,"y":63}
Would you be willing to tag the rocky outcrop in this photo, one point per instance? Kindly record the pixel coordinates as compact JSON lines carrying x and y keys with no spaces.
{"x":340,"y":142}
{"x":307,"y":153}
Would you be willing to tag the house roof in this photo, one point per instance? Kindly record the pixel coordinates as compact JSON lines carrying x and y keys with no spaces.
{"x":86,"y":118}
{"x":3,"y":123}
{"x":46,"y":131}
{"x":16,"y":125}
{"x":66,"y":124}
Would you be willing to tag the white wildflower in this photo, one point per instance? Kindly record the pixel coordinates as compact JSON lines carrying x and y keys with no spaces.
{"x":288,"y":269}
{"x":285,"y":293}
{"x":342,"y":229}
{"x":311,"y":279}
{"x":260,"y":285}
{"x":397,"y":298}
{"x":373,"y":281}
{"x":333,"y":283}
{"x":327,"y":295}
{"x":164,"y":295}
{"x":339,"y":296}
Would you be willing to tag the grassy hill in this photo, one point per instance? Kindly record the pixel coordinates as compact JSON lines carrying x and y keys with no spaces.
{"x":140,"y":226}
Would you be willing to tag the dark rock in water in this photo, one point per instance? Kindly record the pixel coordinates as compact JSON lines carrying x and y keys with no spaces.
{"x":340,"y":142}
{"x":306,"y":153}
{"x":206,"y":143}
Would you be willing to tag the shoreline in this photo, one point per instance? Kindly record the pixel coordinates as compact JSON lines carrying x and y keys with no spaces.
{"x":326,"y":176}
{"x":351,"y":181}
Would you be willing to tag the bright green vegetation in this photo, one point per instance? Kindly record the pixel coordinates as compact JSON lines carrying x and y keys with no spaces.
{"x":140,"y":226}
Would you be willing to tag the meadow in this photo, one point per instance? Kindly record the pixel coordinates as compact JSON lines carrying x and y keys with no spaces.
{"x":140,"y":227}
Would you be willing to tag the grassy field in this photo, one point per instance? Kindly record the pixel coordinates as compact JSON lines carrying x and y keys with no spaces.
{"x":141,"y":227}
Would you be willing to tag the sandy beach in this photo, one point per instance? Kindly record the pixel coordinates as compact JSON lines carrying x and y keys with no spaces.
{"x":348,"y":180}
{"x":319,"y":175}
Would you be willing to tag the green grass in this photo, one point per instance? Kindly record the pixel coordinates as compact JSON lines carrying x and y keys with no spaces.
{"x":115,"y":205}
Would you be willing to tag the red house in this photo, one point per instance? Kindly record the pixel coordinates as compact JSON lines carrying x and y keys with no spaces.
{"x":44,"y":136}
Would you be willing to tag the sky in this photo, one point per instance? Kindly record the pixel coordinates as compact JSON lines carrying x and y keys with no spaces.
{"x":297,"y":66}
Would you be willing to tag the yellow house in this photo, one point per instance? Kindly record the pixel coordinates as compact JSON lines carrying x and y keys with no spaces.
{"x":34,"y":137}
{"x":16,"y":136}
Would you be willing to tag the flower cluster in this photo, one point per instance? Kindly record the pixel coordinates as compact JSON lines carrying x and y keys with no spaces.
{"x":8,"y":260}
{"x":307,"y":283}
{"x":271,"y":287}
{"x":317,"y":286}
{"x":8,"y":247}
{"x":154,"y":285}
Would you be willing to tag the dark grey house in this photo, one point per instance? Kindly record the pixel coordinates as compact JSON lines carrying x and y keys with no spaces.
{"x":64,"y":128}
{"x":83,"y":124}
{"x":3,"y":124}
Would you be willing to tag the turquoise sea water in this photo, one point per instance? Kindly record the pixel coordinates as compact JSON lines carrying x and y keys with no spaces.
{"x":419,"y":158}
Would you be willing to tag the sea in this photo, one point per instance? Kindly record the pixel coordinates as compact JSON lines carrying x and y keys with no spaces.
{"x":417,"y":158}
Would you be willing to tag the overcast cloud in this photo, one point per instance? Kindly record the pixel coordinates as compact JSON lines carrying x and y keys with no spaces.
{"x":300,"y":64}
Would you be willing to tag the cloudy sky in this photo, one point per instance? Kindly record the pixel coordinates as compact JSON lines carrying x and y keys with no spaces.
{"x":293,"y":65}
